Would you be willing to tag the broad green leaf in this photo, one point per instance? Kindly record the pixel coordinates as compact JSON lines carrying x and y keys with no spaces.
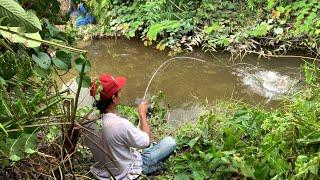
{"x":192,"y":142}
{"x":214,"y":27}
{"x":198,"y":174}
{"x":208,"y":157}
{"x":43,"y":60}
{"x":271,"y":3}
{"x":60,"y":64}
{"x":19,"y":38}
{"x":281,"y":9}
{"x":14,"y":157}
{"x":32,"y":43}
{"x":29,"y":151}
{"x":62,"y":60}
{"x":79,"y":62}
{"x":15,"y":153}
{"x":17,"y":16}
{"x":54,"y":32}
{"x":25,"y":143}
{"x":260,"y":30}
{"x":34,"y":20}
{"x":155,"y":29}
{"x":104,"y":3}
{"x":86,"y":81}
{"x":30,"y":144}
{"x":261,"y":170}
{"x":240,"y":112}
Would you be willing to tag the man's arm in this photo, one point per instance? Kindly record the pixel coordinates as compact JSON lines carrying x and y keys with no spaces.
{"x":144,"y":125}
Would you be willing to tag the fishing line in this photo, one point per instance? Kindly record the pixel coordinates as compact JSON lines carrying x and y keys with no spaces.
{"x":164,"y":63}
{"x":157,"y":70}
{"x":187,"y":58}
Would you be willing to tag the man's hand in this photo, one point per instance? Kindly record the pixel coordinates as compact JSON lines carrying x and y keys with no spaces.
{"x":143,"y":109}
{"x":144,"y":125}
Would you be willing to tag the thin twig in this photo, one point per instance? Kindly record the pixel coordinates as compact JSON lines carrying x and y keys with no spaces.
{"x":37,"y":125}
{"x":7,"y":29}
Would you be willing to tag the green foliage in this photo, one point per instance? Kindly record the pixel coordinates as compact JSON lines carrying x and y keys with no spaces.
{"x":43,"y":60}
{"x":19,"y":100}
{"x":240,"y":142}
{"x":49,"y":9}
{"x":155,"y":29}
{"x":18,"y":38}
{"x":16,"y":16}
{"x":62,"y":60}
{"x":98,"y":8}
{"x":212,"y":24}
{"x":129,"y":113}
{"x":260,"y":30}
{"x":16,"y":149}
{"x":29,"y":97}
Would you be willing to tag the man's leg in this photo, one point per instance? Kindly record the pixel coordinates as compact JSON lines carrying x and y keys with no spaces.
{"x":154,"y":156}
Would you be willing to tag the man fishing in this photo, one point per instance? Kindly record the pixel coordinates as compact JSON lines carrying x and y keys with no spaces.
{"x":124,"y":151}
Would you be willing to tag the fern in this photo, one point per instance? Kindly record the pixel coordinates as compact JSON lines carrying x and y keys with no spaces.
{"x":16,"y":16}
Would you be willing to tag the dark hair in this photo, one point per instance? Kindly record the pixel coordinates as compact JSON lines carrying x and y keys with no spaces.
{"x":102,"y":105}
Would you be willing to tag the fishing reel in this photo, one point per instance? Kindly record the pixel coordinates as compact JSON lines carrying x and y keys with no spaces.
{"x":150,"y":109}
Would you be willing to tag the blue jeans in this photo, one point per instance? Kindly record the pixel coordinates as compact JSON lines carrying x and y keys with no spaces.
{"x":154,"y":156}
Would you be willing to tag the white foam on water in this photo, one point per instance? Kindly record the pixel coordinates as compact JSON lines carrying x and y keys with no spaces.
{"x":269,"y":84}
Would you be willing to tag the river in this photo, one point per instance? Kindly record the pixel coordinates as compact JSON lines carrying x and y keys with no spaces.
{"x":188,"y":83}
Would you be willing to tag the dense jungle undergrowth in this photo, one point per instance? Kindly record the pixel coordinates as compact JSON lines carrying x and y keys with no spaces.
{"x":41,"y":126}
{"x":240,"y":27}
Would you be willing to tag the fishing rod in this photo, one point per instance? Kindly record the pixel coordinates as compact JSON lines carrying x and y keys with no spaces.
{"x":138,"y":101}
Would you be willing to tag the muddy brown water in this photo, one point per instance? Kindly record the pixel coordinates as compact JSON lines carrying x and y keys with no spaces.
{"x":184,"y":82}
{"x":187,"y":84}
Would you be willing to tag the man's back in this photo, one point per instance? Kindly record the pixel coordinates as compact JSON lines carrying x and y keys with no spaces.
{"x":119,"y":138}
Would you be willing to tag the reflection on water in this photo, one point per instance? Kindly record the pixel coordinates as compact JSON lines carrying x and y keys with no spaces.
{"x":181,"y":81}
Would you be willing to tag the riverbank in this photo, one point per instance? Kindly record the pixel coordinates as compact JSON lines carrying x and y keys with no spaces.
{"x":239,"y":141}
{"x":42,"y":127}
{"x":239,"y":28}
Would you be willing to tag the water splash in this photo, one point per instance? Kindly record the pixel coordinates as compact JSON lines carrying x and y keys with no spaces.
{"x":270,"y":84}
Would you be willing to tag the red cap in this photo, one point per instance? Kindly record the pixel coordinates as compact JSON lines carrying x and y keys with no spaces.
{"x":110,"y":86}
